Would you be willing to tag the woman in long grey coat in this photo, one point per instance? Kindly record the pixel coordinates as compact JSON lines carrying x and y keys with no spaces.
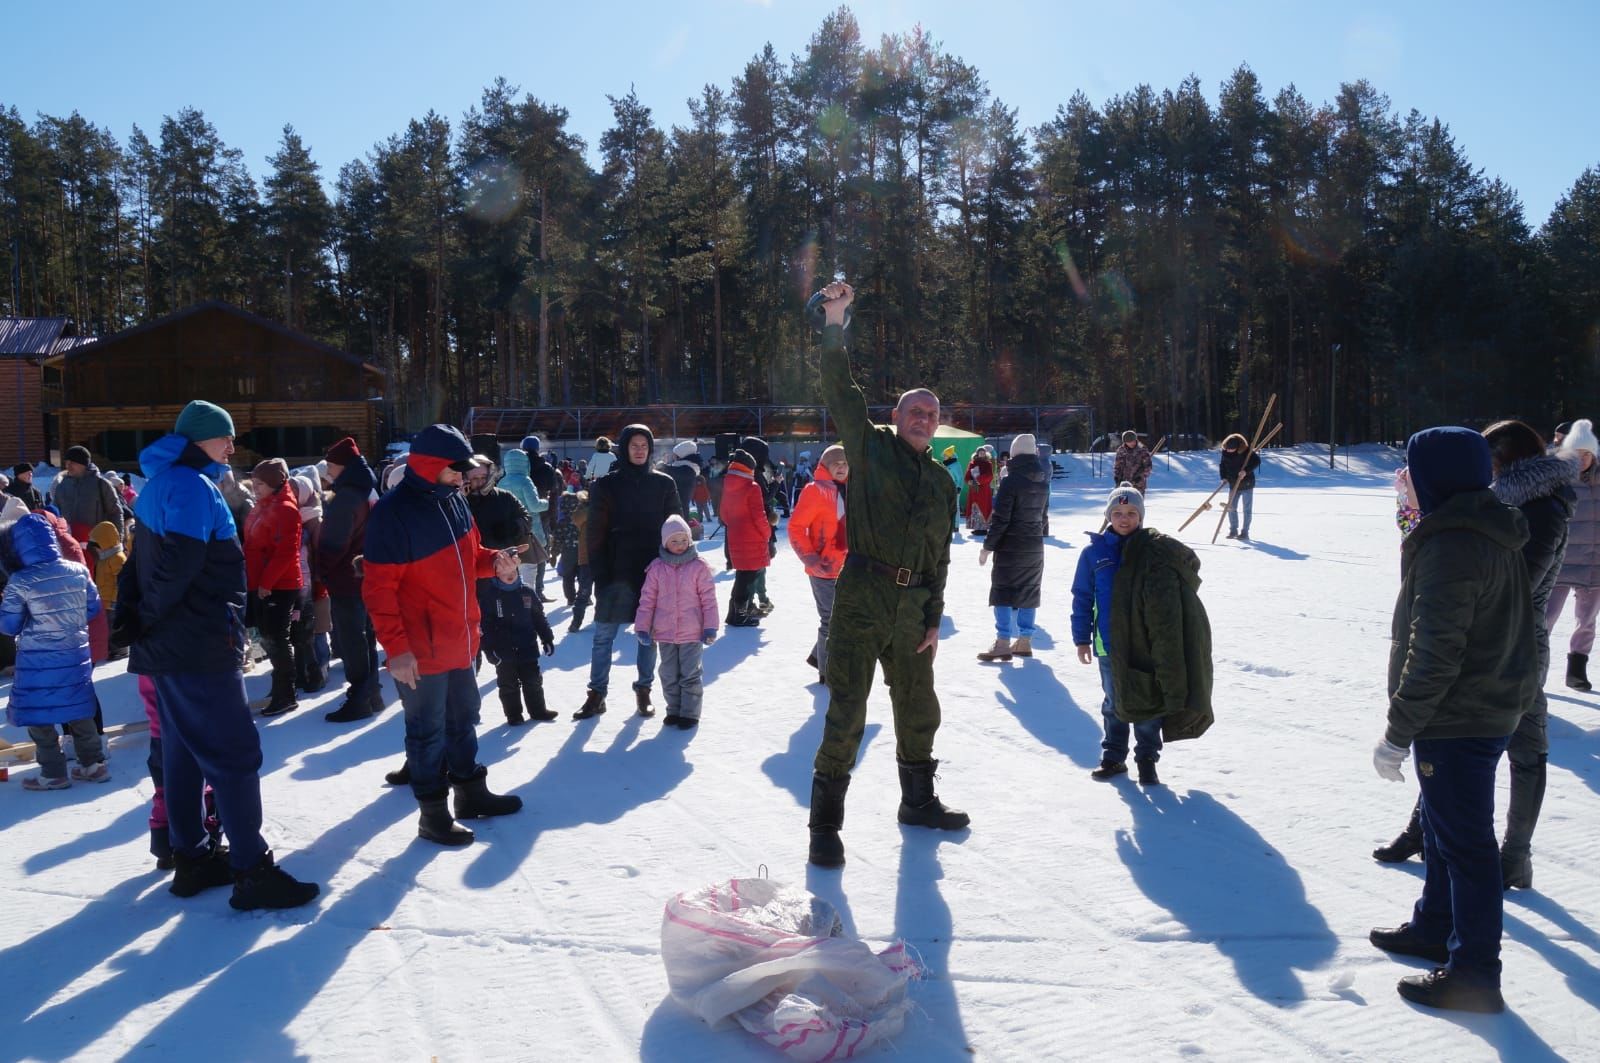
{"x":1580,"y":571}
{"x":1016,"y":540}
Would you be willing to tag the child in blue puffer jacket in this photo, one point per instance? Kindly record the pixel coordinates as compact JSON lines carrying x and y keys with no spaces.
{"x":1091,"y":633}
{"x":47,"y":606}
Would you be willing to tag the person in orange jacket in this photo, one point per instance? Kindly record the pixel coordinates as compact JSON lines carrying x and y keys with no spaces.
{"x":816,"y":533}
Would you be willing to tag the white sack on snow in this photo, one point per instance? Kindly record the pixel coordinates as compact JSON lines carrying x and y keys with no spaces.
{"x":774,"y":960}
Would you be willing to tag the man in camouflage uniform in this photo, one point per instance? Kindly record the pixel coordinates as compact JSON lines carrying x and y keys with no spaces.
{"x":890,"y":596}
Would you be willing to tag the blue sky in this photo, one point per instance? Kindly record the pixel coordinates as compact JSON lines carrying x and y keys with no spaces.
{"x":1517,"y":84}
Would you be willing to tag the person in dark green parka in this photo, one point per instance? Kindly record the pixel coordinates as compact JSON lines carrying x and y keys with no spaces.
{"x":890,"y":596}
{"x":1161,"y":637}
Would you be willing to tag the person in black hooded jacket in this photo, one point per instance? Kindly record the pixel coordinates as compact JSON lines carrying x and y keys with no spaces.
{"x":1540,"y":486}
{"x":627,"y":507}
{"x":1016,"y":541}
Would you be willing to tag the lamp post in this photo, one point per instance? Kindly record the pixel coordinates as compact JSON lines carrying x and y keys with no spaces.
{"x":1333,"y":399}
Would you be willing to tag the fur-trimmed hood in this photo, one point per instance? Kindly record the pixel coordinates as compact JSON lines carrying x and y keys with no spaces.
{"x":1536,"y":477}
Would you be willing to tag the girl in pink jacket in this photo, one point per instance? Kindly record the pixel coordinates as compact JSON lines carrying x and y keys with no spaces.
{"x":678,"y":612}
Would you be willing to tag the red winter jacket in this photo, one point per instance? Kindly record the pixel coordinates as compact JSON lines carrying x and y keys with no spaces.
{"x":422,"y":565}
{"x":272,"y":543}
{"x":816,"y":531}
{"x":744,"y":511}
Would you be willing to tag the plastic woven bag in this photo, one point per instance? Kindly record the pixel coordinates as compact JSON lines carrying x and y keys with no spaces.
{"x":774,"y":960}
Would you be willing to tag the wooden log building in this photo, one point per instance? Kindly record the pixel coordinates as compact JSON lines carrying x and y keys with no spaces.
{"x":26,"y":344}
{"x":290,"y":396}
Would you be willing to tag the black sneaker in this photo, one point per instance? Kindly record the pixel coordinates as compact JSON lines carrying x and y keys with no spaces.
{"x":688,"y":723}
{"x":1403,"y":941}
{"x":672,"y":719}
{"x":1109,"y":769}
{"x":279,"y":706}
{"x":195,"y":874}
{"x":269,"y":886}
{"x":1441,"y":989}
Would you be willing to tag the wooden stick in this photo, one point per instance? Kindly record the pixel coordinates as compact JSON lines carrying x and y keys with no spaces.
{"x":24,"y":751}
{"x":1237,"y":480}
{"x":1261,"y":426}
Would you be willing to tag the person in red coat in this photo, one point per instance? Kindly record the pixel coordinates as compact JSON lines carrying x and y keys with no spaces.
{"x":272,"y":574}
{"x":980,"y":496}
{"x":744,"y":514}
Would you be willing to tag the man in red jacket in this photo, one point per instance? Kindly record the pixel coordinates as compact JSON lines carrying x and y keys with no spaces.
{"x":423,"y":559}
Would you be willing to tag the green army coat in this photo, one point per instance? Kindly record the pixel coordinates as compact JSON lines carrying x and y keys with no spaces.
{"x":1160,"y":637}
{"x":902,"y":504}
{"x":1463,"y":662}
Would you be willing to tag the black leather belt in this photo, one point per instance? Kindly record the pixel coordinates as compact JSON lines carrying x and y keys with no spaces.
{"x":903,"y":577}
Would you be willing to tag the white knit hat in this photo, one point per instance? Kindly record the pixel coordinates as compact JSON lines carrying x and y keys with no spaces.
{"x":1125,"y":494}
{"x":1581,"y":438}
{"x":685,"y":449}
{"x":1024,"y":444}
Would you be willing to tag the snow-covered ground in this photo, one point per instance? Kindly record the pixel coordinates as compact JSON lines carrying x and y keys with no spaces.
{"x":1222,"y":916}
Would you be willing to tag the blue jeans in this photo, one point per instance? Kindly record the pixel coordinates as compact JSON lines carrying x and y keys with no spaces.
{"x":1012,"y":623}
{"x":600,"y":659}
{"x":440,"y":737}
{"x":1147,"y":735}
{"x":1462,"y":902}
{"x":1246,"y":502}
{"x":207,"y":736}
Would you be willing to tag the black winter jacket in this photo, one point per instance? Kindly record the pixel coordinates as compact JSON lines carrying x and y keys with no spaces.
{"x":343,"y":534}
{"x":1016,"y":533}
{"x":501,"y":520}
{"x":627,"y":507}
{"x":1233,"y":462}
{"x":513,"y":621}
{"x":1541,"y":488}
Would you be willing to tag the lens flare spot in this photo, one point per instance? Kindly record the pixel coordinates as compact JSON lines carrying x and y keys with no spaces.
{"x":493,"y":190}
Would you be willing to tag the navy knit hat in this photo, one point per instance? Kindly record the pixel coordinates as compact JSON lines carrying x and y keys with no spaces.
{"x":203,"y":420}
{"x":530,"y":444}
{"x":1445,"y":462}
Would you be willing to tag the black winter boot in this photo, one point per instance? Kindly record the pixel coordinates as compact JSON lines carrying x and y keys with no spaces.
{"x":269,"y":886}
{"x":197,"y":873}
{"x":593,"y":705}
{"x":283,"y":699}
{"x":1522,"y":815}
{"x":1109,"y":769}
{"x":741,"y":615}
{"x":577,"y":618}
{"x":161,"y":848}
{"x":350,"y":712}
{"x":474,"y":801}
{"x":641,"y":698}
{"x":401,"y":776}
{"x":827,"y":817}
{"x":920,"y":806}
{"x":1578,"y":671}
{"x":1407,"y":845}
{"x":437,"y":825}
{"x":533,"y":697}
{"x":1147,"y":772}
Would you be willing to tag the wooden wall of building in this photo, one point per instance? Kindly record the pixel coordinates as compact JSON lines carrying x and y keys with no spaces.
{"x":21,"y":416}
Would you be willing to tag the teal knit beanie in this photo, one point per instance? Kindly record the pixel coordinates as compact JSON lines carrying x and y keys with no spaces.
{"x":203,"y":420}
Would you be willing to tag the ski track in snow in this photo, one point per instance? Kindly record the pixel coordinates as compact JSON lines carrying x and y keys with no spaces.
{"x":1222,"y":916}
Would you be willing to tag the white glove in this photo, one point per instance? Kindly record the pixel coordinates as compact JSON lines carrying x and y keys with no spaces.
{"x":1387,"y":758}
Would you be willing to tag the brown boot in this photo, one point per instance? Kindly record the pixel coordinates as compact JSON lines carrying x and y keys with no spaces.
{"x":1022,"y":647}
{"x":642,"y":698}
{"x":1000,"y":651}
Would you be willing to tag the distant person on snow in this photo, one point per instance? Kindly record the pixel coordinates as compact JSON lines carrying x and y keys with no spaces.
{"x":1133,"y":462}
{"x":1233,"y":464}
{"x":1580,"y":568}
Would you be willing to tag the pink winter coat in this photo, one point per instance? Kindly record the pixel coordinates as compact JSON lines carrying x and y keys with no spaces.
{"x":679,"y":601}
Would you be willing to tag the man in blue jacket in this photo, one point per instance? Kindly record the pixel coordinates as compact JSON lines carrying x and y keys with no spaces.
{"x":184,"y":594}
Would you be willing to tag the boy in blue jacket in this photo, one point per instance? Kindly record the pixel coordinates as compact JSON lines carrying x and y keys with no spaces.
{"x":1091,"y":632}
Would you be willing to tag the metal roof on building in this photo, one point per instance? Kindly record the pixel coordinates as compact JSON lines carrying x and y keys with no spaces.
{"x":30,"y":337}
